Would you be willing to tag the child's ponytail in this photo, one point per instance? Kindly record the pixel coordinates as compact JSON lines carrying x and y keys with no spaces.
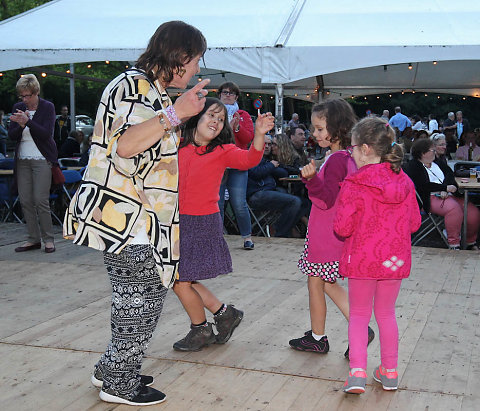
{"x":378,"y":134}
{"x":394,"y":157}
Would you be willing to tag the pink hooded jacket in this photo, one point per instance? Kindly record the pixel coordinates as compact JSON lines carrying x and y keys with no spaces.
{"x":377,"y":212}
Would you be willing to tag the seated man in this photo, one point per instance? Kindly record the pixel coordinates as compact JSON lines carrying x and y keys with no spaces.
{"x":71,"y":146}
{"x":297,"y":135}
{"x":262,"y":193}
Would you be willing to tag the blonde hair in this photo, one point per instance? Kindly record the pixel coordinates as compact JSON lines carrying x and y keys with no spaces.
{"x":286,"y":150}
{"x":378,"y":134}
{"x":28,"y":82}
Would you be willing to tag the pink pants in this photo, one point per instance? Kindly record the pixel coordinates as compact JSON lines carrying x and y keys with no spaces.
{"x":452,"y":211}
{"x":361,"y":295}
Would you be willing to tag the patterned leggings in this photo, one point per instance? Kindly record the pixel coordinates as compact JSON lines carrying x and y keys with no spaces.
{"x":137,"y":302}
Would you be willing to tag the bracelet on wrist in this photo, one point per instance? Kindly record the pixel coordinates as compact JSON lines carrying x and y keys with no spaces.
{"x":172,"y":116}
{"x":163,"y":118}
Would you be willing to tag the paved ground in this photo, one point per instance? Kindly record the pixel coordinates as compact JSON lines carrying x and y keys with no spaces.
{"x":54,"y":325}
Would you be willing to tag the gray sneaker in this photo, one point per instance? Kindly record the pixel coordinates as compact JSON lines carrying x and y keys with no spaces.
{"x":226,"y":322}
{"x":196,"y":339}
{"x":355,"y":383}
{"x":389,"y":379}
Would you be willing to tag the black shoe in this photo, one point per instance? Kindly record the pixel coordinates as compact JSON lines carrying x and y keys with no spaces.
{"x":310,"y":344}
{"x":371,"y":336}
{"x":248,"y":245}
{"x":226,"y":322}
{"x":23,"y":248}
{"x":146,"y":396}
{"x":197,"y":338}
{"x":97,"y":379}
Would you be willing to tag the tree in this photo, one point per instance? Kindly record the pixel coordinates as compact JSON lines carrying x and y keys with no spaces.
{"x":9,"y":8}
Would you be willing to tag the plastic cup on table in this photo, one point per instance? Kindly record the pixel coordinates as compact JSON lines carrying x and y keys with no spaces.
{"x":473,"y":173}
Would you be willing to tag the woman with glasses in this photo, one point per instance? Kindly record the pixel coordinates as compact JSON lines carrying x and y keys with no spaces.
{"x":32,"y":124}
{"x":236,"y":180}
{"x":435,"y":183}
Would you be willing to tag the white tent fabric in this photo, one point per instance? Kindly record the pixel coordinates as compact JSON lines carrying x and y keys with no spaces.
{"x":346,"y":46}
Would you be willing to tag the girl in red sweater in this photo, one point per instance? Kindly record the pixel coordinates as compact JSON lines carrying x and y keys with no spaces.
{"x":377,"y":212}
{"x":206,"y":151}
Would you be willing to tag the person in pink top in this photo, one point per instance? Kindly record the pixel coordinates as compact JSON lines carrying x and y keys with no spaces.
{"x":377,"y":213}
{"x":206,"y":151}
{"x":332,"y":121}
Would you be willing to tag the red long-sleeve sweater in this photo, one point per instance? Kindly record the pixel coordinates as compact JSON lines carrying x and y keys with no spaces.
{"x":200,"y":175}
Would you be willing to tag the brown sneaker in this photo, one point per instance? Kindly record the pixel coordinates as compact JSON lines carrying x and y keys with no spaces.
{"x":226,"y":322}
{"x":197,"y":338}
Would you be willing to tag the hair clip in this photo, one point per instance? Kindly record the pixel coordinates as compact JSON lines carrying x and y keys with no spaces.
{"x":386,"y":125}
{"x":393,"y":143}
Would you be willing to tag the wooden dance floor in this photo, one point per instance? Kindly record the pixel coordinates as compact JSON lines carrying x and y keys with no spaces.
{"x":54,"y":324}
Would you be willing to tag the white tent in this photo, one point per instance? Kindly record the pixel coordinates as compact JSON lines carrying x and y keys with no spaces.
{"x":347,"y":47}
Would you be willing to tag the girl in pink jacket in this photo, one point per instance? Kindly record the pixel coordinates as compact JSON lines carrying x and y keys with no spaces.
{"x":377,"y":212}
{"x":332,"y":121}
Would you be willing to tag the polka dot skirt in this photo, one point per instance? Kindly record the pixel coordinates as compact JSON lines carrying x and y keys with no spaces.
{"x":327,"y":271}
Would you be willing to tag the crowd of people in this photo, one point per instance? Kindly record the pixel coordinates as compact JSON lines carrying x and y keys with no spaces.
{"x":153,"y":194}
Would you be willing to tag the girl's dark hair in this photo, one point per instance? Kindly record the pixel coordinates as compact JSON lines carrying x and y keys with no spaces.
{"x":420,"y":147}
{"x":190,"y":128}
{"x":380,"y":136}
{"x":340,"y":119}
{"x":173,"y":45}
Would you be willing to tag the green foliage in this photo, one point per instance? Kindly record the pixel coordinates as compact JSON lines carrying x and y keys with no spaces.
{"x":9,"y":8}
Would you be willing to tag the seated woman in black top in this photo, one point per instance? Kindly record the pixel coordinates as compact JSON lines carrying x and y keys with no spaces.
{"x":435,"y":183}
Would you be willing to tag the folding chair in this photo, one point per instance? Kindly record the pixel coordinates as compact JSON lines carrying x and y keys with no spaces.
{"x":8,"y":201}
{"x":262,"y":220}
{"x":430,"y":223}
{"x":72,"y":180}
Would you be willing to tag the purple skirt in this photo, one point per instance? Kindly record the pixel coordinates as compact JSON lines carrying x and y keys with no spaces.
{"x":203,"y":250}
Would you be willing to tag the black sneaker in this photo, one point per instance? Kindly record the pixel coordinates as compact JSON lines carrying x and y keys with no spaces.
{"x":97,"y":379}
{"x":310,"y":344}
{"x":197,"y":338}
{"x":146,"y":396}
{"x":248,"y":245}
{"x":371,"y":336}
{"x":226,"y":322}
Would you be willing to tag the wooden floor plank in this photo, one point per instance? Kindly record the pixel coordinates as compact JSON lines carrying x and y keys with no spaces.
{"x":55,"y":324}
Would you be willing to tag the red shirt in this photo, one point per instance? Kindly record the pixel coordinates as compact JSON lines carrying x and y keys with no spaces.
{"x":200,"y":175}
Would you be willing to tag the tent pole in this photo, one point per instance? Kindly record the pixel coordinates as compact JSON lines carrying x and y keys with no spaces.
{"x":72,"y":96}
{"x":278,"y":108}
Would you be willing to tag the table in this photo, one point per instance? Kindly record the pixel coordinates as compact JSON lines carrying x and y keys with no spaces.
{"x":466,"y":186}
{"x":289,"y":181}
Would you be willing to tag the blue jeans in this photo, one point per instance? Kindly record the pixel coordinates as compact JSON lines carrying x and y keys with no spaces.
{"x":288,"y":205}
{"x":236,"y":183}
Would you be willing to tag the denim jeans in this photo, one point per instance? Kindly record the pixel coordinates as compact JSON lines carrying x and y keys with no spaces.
{"x":236,"y":183}
{"x":288,"y":205}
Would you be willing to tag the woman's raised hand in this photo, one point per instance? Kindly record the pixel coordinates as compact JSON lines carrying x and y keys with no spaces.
{"x":264,"y":123}
{"x":190,"y":103}
{"x":309,"y":171}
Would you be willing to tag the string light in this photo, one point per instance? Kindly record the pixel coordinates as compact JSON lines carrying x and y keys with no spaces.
{"x":44,"y":74}
{"x":295,"y":94}
{"x":68,"y":71}
{"x":248,"y":94}
{"x":390,"y":95}
{"x":438,"y":97}
{"x":365,"y":98}
{"x":199,"y":79}
{"x":126,"y":66}
{"x":308,"y":95}
{"x":1,"y":74}
{"x":89,"y":66}
{"x":464,"y":98}
{"x":410,"y":66}
{"x":107,"y":62}
{"x":378,"y":97}
{"x":434,"y":63}
{"x":413,"y":91}
{"x":426,"y":94}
